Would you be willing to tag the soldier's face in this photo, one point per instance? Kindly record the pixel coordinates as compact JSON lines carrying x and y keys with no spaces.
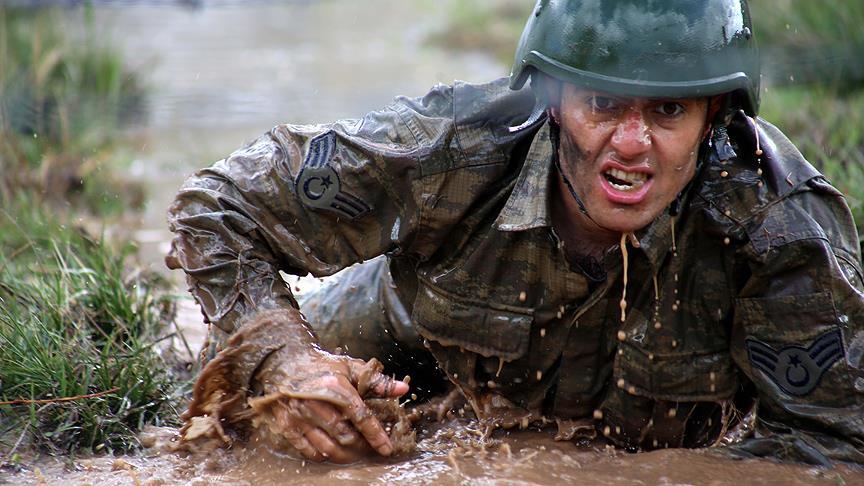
{"x":628,"y":158}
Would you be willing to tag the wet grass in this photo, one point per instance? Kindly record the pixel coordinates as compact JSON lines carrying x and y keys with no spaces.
{"x":83,"y":360}
{"x":77,"y":320}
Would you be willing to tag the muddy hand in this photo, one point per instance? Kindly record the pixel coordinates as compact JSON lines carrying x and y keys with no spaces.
{"x":316,"y":402}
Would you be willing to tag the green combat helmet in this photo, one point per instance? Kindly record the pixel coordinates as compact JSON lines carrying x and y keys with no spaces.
{"x":650,"y":48}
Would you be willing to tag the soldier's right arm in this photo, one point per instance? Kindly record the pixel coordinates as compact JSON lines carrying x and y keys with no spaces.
{"x":316,"y":199}
{"x":309,"y":199}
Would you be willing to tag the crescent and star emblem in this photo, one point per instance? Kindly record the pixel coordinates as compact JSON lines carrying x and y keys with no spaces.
{"x":795,"y":369}
{"x":318,"y":185}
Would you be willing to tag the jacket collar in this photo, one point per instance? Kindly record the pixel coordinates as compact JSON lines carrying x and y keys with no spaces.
{"x":655,"y":240}
{"x":528,"y":204}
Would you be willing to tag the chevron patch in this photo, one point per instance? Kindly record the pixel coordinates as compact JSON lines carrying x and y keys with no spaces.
{"x":318,"y":185}
{"x":795,"y":369}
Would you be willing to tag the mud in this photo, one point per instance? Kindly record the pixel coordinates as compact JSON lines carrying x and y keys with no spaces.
{"x":270,"y":381}
{"x":454,"y":452}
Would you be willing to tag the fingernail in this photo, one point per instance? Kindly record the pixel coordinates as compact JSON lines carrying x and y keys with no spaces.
{"x":386,"y":450}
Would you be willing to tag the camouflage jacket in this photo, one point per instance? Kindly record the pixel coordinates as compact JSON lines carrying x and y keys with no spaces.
{"x":750,"y":292}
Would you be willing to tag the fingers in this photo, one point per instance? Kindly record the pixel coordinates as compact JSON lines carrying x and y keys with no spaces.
{"x":294,"y":434}
{"x":367,"y":377}
{"x":329,"y":448}
{"x":344,"y":397}
{"x":368,"y":426}
{"x":390,"y":388}
{"x":312,"y":442}
{"x":307,"y":449}
{"x":331,"y":421}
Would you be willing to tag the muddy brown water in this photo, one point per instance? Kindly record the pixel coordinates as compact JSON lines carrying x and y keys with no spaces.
{"x":450,"y":453}
{"x":225,"y":72}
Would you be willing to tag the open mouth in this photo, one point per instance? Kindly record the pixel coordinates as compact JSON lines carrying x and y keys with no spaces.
{"x":625,"y":181}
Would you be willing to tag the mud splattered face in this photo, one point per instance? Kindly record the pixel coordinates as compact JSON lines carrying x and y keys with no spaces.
{"x":627,"y":158}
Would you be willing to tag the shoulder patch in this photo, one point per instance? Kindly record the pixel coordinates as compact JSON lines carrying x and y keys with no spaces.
{"x":795,"y":369}
{"x":318,"y":185}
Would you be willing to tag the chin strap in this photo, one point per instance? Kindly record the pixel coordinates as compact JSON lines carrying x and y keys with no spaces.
{"x":554,"y":136}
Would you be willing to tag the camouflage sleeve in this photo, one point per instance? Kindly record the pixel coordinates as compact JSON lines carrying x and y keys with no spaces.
{"x":799,"y":333}
{"x":305,"y":199}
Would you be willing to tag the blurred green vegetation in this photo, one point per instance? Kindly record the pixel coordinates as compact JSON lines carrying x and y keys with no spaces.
{"x":491,"y":26}
{"x":813,"y":66}
{"x":76,"y":316}
{"x":811,"y":43}
{"x":62,"y":104}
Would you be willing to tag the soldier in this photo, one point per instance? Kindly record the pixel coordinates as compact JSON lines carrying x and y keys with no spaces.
{"x":622,"y":244}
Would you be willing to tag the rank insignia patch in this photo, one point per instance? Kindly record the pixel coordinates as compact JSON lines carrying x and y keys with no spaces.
{"x":795,"y":369}
{"x":318,"y":185}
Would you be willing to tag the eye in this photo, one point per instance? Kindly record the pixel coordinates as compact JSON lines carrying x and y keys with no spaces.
{"x":670,"y":109}
{"x":602,"y":103}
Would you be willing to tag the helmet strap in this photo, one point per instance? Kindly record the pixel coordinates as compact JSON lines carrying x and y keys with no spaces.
{"x":555,"y":138}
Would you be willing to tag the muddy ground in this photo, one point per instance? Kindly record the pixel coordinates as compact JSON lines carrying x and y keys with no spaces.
{"x":450,"y":453}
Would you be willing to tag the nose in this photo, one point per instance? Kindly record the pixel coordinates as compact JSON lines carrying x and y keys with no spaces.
{"x":631,"y":138}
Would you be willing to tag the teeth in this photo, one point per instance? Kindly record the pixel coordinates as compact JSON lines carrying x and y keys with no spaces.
{"x":633,"y":180}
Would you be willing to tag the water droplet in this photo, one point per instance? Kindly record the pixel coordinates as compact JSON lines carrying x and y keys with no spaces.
{"x":523,"y":296}
{"x":672,"y":413}
{"x":621,"y":383}
{"x":622,"y":335}
{"x":727,"y":241}
{"x":598,"y":414}
{"x":724,"y":174}
{"x":543,"y":332}
{"x":539,"y":375}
